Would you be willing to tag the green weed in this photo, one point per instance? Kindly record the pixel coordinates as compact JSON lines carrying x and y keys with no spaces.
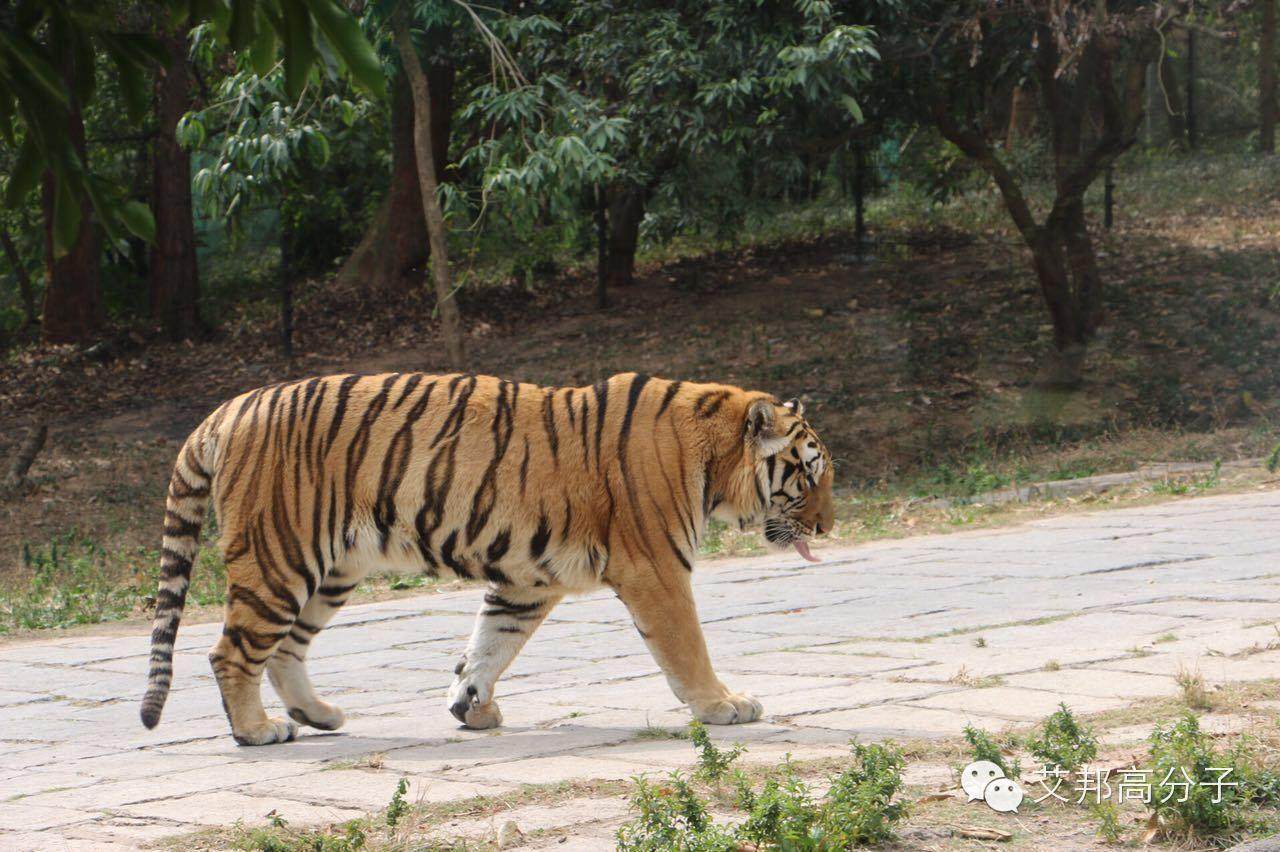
{"x":986,"y":748}
{"x":1108,"y":817}
{"x":713,"y":762}
{"x":397,"y":807}
{"x":858,"y":810}
{"x":1196,"y":789}
{"x":1063,"y":742}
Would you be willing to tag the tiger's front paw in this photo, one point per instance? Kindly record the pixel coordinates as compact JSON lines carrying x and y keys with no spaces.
{"x":733,"y":709}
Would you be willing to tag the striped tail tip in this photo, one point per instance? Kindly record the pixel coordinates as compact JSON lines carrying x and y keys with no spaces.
{"x":151,"y":707}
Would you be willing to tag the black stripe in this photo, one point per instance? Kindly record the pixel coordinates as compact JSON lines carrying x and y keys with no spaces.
{"x":549,"y":426}
{"x":499,"y":546}
{"x":709,"y":403}
{"x":684,"y":560}
{"x":633,"y":399}
{"x":602,"y":396}
{"x":538,"y":544}
{"x":672,"y":389}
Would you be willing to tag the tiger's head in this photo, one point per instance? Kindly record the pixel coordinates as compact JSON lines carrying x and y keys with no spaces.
{"x":793,"y":474}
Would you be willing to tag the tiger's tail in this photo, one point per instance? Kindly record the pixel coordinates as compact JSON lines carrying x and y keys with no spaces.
{"x":183,"y":518}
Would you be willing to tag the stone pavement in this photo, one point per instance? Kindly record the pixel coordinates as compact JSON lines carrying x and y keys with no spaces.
{"x":909,"y":638}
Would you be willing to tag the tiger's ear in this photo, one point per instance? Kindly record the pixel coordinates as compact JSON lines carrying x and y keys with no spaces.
{"x":761,"y":428}
{"x":796,"y":406}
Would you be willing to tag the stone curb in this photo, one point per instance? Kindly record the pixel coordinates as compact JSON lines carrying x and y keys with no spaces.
{"x":1266,"y":844}
{"x":1090,"y":485}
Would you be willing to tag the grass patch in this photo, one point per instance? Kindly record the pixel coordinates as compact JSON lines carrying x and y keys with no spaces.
{"x":1194,"y":693}
{"x":858,"y":809}
{"x":73,"y":580}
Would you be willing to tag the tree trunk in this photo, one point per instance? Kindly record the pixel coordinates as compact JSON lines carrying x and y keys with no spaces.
{"x":173,"y":278}
{"x":73,"y":310}
{"x":392,"y":256}
{"x":1172,"y":101}
{"x":424,"y":147}
{"x":1192,"y":131}
{"x":1019,"y":117}
{"x":286,"y":284}
{"x":1267,"y":79}
{"x":1065,"y":367}
{"x":626,"y":210}
{"x":25,"y":290}
{"x":602,"y":249}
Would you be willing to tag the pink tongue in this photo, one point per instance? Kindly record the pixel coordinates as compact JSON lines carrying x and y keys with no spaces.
{"x":802,"y":547}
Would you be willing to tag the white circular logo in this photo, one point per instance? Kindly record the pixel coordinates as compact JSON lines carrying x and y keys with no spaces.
{"x":1004,"y":795}
{"x":977,"y":776}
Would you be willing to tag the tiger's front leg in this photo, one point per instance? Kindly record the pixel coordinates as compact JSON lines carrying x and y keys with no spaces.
{"x":661,"y":604}
{"x":506,"y":620}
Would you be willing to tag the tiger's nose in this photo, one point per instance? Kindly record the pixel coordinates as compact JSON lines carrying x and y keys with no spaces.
{"x":819,"y":529}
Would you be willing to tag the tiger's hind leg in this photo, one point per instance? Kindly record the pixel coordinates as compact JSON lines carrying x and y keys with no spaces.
{"x":259,"y":615}
{"x":506,"y":620}
{"x":287,"y":667}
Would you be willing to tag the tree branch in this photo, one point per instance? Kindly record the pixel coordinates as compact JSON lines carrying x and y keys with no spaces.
{"x":980,"y":151}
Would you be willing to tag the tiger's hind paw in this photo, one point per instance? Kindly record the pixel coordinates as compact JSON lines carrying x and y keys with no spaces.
{"x":267,"y":732}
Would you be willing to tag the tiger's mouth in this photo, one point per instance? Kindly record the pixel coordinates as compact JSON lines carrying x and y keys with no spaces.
{"x":783,"y":531}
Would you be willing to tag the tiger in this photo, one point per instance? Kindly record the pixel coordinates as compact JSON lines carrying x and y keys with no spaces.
{"x":539,"y":492}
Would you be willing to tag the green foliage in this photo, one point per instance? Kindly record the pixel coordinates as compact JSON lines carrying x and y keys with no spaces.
{"x":398,"y":805}
{"x":858,"y":810}
{"x":713,"y":762}
{"x":1188,"y":774}
{"x":348,"y":837}
{"x":670,"y":816}
{"x":1108,"y":816}
{"x":986,"y":748}
{"x":39,"y":38}
{"x":1063,"y":742}
{"x":75,"y":581}
{"x":67,"y":587}
{"x":1273,"y":460}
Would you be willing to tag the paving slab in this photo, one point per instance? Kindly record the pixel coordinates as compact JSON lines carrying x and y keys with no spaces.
{"x":908,"y":638}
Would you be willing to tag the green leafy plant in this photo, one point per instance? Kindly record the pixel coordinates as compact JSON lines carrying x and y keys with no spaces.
{"x":1196,"y":790}
{"x":1063,"y":742}
{"x":1108,"y":817}
{"x":397,"y":807}
{"x":669,"y":815}
{"x":713,"y":762}
{"x":858,"y":810}
{"x":986,"y":748}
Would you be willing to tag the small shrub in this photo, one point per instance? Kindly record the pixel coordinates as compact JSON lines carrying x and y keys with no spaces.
{"x":1108,"y":817}
{"x":713,"y":762}
{"x":398,"y":805}
{"x":986,"y":748}
{"x":1188,"y":774}
{"x":1063,"y":742}
{"x":669,"y":815}
{"x":858,"y":810}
